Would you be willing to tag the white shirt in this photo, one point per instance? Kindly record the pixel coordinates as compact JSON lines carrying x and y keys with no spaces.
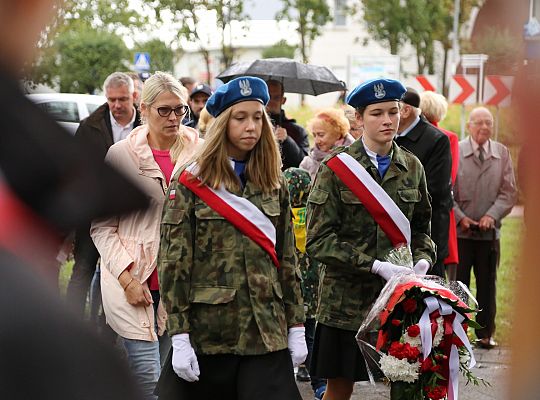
{"x":476,"y":148}
{"x":410,"y":127}
{"x":121,"y":131}
{"x":372,"y":155}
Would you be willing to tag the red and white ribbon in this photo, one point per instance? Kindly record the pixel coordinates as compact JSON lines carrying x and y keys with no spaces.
{"x":377,"y":202}
{"x":433,"y":304}
{"x":240,"y":212}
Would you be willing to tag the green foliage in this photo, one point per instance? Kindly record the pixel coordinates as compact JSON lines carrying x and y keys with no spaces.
{"x":191,"y":28}
{"x":85,"y":58}
{"x":280,"y":49}
{"x":161,"y":55}
{"x":386,"y":22}
{"x":86,"y":19}
{"x":418,"y":22}
{"x":311,"y":16}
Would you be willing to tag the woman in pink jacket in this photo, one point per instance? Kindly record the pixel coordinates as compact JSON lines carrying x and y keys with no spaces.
{"x":129,"y":245}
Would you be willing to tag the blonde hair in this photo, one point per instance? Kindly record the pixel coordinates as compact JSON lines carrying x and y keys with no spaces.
{"x":263,"y":167}
{"x":158,"y":83}
{"x":331,"y":119}
{"x":205,"y":120}
{"x":433,"y":105}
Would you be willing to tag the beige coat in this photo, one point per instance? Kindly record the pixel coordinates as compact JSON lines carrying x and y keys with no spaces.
{"x":487,"y":188}
{"x":134,"y":238}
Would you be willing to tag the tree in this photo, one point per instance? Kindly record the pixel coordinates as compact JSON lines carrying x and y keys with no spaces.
{"x":82,"y":17}
{"x":311,"y":16}
{"x":191,"y":16}
{"x":421,"y":23}
{"x":280,"y":49}
{"x":161,"y":55}
{"x":386,"y":22}
{"x":85,"y":58}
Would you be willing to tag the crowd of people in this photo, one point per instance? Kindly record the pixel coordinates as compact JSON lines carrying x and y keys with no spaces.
{"x":228,"y":250}
{"x":258,"y":253}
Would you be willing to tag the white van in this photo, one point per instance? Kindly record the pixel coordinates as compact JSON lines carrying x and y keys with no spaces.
{"x":68,"y":109}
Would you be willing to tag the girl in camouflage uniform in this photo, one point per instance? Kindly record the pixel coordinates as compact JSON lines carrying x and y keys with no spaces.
{"x":235,"y":309}
{"x":344,"y":236}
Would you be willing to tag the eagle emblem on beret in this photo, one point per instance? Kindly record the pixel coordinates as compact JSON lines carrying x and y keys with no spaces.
{"x":379,"y":91}
{"x":245,"y":88}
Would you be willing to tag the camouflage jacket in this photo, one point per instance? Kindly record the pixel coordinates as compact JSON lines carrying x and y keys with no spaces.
{"x":219,"y":285}
{"x":342,"y":235}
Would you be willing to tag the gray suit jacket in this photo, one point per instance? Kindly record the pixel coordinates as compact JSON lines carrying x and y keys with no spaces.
{"x":487,"y":188}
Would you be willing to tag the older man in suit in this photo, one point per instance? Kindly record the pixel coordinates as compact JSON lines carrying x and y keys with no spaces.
{"x":432,"y":148}
{"x":484,"y":193}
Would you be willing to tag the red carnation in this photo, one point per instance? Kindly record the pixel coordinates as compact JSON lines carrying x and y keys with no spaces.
{"x":396,"y":322}
{"x":413,"y":330}
{"x":426,"y":365}
{"x":409,"y":305}
{"x":435,"y":393}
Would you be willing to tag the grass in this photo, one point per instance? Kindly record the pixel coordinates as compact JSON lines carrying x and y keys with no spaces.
{"x":511,"y":233}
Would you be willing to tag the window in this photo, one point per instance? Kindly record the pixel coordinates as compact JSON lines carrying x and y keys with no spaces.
{"x":340,"y":12}
{"x":92,"y":107}
{"x":63,"y":111}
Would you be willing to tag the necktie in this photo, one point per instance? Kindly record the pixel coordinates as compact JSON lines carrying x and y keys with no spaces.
{"x":481,"y":154}
{"x":383,"y":162}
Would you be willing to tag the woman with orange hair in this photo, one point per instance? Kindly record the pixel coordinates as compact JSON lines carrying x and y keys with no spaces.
{"x":330,"y":128}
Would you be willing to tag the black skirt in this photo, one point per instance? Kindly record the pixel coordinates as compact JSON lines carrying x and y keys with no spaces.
{"x":336,"y":355}
{"x":233,"y":377}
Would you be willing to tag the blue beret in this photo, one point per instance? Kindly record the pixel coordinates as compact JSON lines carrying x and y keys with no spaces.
{"x":240,"y":89}
{"x":375,"y":91}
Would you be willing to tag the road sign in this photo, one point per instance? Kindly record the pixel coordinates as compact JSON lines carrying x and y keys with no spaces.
{"x":363,"y":68}
{"x":463,"y":89}
{"x":427,"y":82}
{"x":142,"y":62}
{"x":498,"y":90}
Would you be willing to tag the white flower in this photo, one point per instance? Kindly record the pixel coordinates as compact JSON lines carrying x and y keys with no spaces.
{"x":399,"y":370}
{"x":413,"y":341}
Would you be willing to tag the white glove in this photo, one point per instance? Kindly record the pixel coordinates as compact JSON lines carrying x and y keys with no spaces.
{"x":421,"y":267}
{"x":184,"y":360}
{"x":296,"y":342}
{"x":386,"y":270}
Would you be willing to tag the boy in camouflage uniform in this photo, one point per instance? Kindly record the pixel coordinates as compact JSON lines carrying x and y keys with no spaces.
{"x":344,"y":236}
{"x":299,"y":183}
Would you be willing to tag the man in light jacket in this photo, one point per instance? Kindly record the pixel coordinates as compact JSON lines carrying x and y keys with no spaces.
{"x":484,"y":193}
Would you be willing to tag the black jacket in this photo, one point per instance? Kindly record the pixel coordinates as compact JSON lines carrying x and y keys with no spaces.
{"x":296,"y":146}
{"x":432,"y":148}
{"x":96,"y":129}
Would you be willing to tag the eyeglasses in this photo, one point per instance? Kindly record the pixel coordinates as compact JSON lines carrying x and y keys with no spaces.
{"x":178,"y":111}
{"x":487,"y":122}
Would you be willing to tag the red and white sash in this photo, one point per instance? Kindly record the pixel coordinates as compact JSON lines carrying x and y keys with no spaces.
{"x":240,"y":212}
{"x":376,"y":201}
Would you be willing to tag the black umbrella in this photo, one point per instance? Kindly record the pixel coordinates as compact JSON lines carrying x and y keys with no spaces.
{"x":295,"y":77}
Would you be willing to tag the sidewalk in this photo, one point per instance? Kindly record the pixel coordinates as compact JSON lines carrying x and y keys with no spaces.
{"x":492,"y":365}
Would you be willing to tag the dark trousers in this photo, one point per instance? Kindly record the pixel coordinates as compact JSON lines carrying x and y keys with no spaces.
{"x":232,"y":377}
{"x":86,"y":257}
{"x":483,"y":257}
